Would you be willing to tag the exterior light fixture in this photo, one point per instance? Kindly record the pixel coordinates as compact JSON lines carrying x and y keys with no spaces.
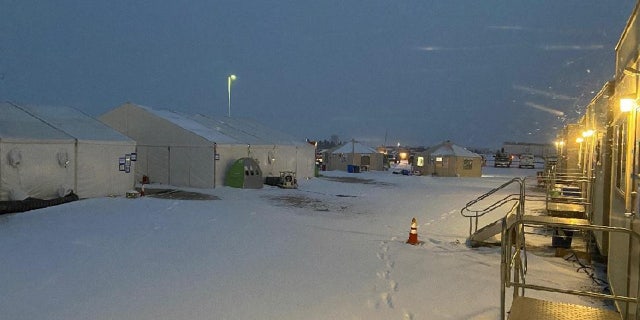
{"x":230,"y":80}
{"x":588,"y":133}
{"x":628,"y":103}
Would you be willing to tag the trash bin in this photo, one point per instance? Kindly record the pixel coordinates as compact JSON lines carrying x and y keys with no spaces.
{"x":350,"y":168}
{"x":561,"y":238}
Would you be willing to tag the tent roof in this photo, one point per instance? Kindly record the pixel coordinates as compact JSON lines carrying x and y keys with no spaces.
{"x":15,"y":123}
{"x":75,"y":123}
{"x":185,"y":122}
{"x":225,"y":129}
{"x":247,"y":131}
{"x":447,"y":148}
{"x":356,"y":147}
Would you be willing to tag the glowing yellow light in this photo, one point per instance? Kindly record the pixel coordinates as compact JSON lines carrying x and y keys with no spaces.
{"x":579,"y":140}
{"x":627,"y":103}
{"x":403,"y":155}
{"x":588,"y":133}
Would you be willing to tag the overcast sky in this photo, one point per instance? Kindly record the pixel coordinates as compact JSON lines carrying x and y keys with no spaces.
{"x":411,"y":71}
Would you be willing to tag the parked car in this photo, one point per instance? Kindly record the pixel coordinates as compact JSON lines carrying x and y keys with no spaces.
{"x":526,"y":161}
{"x":502,"y":159}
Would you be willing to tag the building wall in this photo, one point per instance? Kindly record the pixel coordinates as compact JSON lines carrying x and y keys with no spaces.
{"x":623,"y":279}
{"x":340,"y":161}
{"x":537,"y":149}
{"x":449,"y":166}
{"x":39,"y":173}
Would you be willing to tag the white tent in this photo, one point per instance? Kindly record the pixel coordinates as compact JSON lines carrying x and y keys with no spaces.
{"x":179,"y":150}
{"x":105,"y":158}
{"x":275,"y":151}
{"x":46,"y":152}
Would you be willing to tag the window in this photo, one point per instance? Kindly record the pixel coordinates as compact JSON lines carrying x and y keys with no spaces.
{"x":442,"y":162}
{"x":365,"y":160}
{"x":621,"y":154}
{"x":467,"y":164}
{"x":420,"y":162}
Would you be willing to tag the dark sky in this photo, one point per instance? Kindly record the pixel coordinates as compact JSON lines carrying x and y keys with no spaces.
{"x":414,"y":71}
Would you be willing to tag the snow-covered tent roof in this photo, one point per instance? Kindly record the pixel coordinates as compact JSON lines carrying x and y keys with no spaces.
{"x":186,"y":122}
{"x":224,"y":129}
{"x":75,"y":123}
{"x":355,"y":147}
{"x":447,"y":148}
{"x":246,"y":130}
{"x":16,"y":124}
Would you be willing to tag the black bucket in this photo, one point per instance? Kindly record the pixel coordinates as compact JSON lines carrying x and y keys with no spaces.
{"x":562,"y":238}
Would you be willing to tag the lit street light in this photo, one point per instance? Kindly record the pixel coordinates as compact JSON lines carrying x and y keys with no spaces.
{"x":230,"y":79}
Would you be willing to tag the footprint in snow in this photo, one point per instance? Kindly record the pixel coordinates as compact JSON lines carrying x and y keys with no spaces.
{"x":386,"y":298}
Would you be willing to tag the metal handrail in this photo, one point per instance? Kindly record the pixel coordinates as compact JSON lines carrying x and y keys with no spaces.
{"x":513,"y":253}
{"x":474,"y":215}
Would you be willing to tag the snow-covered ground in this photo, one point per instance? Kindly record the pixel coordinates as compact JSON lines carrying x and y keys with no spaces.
{"x":332,"y":249}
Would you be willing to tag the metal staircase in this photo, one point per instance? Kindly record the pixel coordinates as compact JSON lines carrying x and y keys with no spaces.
{"x":511,"y":228}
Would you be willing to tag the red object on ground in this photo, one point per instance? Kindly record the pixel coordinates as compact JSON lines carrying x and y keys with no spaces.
{"x":413,"y":234}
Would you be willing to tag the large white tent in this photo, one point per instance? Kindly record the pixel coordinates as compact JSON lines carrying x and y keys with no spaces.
{"x":275,"y":151}
{"x":196,"y":151}
{"x":46,"y":152}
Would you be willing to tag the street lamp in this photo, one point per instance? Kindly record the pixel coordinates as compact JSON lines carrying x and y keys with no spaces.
{"x":230,"y":79}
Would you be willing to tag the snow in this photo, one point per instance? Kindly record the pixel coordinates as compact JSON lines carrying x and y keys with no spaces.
{"x":354,"y":147}
{"x":327,"y":250}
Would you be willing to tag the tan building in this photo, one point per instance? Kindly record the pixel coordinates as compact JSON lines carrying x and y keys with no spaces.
{"x":448,"y":160}
{"x":353,"y":155}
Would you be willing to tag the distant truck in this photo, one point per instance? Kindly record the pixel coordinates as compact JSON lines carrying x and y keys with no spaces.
{"x":526,"y":161}
{"x":502,"y":159}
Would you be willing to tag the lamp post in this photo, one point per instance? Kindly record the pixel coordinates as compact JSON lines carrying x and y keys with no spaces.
{"x":230,"y":79}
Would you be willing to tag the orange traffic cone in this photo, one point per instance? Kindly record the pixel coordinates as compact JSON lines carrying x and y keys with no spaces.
{"x":413,"y":234}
